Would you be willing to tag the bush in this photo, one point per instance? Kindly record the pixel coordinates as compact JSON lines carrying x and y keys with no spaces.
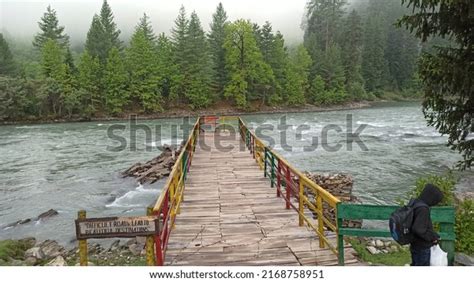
{"x":356,"y":91}
{"x":444,"y":182}
{"x":465,"y":226}
{"x":464,"y":223}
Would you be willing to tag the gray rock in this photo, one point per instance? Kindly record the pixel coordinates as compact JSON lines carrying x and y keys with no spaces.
{"x":141,"y":240}
{"x":393,"y":249}
{"x":34,"y":252}
{"x":31,"y":260}
{"x":387,"y":244}
{"x":31,"y":241}
{"x":372,"y":243}
{"x":136,"y":249}
{"x":51,"y":249}
{"x":114,"y":246}
{"x":463,"y":259}
{"x":58,"y":261}
{"x":379,"y":244}
{"x":372,"y":250}
{"x":47,"y":214}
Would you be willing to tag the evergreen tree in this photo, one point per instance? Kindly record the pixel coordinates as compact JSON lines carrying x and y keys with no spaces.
{"x":216,"y":40}
{"x":250,"y":76}
{"x":52,"y":59}
{"x":50,"y":29}
{"x":351,"y":45}
{"x":144,"y":25}
{"x":90,"y":82}
{"x":96,"y":44}
{"x":111,"y":33}
{"x":144,"y":76}
{"x":199,"y":62}
{"x":167,"y":69}
{"x":317,"y":89}
{"x":69,"y":61}
{"x":297,"y":75}
{"x":178,"y":37}
{"x":7,"y":64}
{"x":115,"y":78}
{"x":374,"y":64}
{"x":323,"y":19}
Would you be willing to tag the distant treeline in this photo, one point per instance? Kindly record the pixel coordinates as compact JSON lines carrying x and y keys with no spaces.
{"x":346,"y":56}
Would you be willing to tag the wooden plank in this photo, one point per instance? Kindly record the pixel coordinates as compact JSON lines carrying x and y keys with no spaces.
{"x":231,"y":216}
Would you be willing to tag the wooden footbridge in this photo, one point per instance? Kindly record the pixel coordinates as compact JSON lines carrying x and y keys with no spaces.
{"x":240,"y":203}
{"x":232,"y":200}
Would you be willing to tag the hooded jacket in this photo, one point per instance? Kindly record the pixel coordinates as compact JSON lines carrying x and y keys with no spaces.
{"x":422,"y":226}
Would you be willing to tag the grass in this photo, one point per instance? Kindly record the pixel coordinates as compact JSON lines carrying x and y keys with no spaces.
{"x":13,"y":249}
{"x":399,"y":258}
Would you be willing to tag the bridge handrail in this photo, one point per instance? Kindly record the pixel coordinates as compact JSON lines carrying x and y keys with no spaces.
{"x":296,"y":184}
{"x":167,"y":204}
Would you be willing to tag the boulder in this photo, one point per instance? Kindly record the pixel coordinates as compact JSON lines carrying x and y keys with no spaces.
{"x":51,"y":249}
{"x":47,"y":214}
{"x":114,"y":246}
{"x":136,"y":249}
{"x":379,"y":243}
{"x":372,"y":250}
{"x":31,"y":260}
{"x":35,"y":252}
{"x":463,"y":259}
{"x":58,"y":261}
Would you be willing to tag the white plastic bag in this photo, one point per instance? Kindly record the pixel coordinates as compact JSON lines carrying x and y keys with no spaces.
{"x":438,"y":256}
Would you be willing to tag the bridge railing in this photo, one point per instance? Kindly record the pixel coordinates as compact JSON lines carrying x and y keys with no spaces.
{"x":167,"y":205}
{"x":300,"y":193}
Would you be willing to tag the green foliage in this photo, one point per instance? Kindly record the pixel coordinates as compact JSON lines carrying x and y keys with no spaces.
{"x":297,"y":76}
{"x":465,"y":226}
{"x":95,"y":43}
{"x":178,"y":38}
{"x":356,"y":91}
{"x":89,"y":78}
{"x":50,"y":29}
{"x":444,"y":182}
{"x":143,"y":73}
{"x":198,"y":74}
{"x":351,"y":45}
{"x":216,"y":41}
{"x":250,"y":77}
{"x":115,"y":78}
{"x":447,"y":73}
{"x":317,"y":89}
{"x":7,"y":64}
{"x":13,"y":249}
{"x":111,"y":33}
{"x":144,"y":25}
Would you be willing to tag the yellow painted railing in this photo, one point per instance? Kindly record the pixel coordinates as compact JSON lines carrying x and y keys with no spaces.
{"x":168,"y":203}
{"x":297,"y":187}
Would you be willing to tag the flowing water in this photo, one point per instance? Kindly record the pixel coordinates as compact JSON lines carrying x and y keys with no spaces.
{"x":70,"y":166}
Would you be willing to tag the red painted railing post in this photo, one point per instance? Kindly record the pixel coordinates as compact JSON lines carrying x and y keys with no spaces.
{"x":288,"y":187}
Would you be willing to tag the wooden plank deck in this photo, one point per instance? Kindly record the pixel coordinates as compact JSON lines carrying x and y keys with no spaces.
{"x":231,"y":216}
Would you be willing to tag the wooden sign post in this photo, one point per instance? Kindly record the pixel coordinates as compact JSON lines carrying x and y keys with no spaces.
{"x":112,"y":227}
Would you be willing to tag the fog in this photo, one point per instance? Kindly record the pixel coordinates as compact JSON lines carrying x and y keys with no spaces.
{"x":19,"y":19}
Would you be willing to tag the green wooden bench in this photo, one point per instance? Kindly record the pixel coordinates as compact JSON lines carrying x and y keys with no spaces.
{"x":442,"y":215}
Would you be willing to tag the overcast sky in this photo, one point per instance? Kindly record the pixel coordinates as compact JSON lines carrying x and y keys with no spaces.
{"x":19,"y":18}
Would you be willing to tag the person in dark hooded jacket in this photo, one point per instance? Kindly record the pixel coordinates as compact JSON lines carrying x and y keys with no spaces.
{"x":424,"y":235}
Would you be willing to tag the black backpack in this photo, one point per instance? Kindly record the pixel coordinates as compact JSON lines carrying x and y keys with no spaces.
{"x":401,"y":221}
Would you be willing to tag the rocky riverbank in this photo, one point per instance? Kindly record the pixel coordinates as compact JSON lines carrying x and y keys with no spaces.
{"x":29,"y":252}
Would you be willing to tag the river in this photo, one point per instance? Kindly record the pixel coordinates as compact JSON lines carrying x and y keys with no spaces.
{"x":70,"y":166}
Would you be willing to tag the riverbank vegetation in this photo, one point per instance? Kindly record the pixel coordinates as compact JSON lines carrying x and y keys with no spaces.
{"x":349,"y":53}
